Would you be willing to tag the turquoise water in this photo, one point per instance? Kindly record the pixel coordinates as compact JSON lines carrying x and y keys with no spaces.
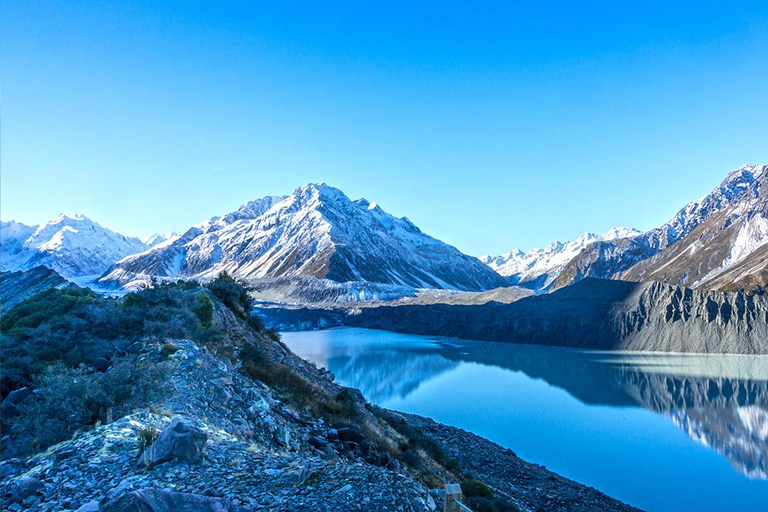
{"x":661,"y":432}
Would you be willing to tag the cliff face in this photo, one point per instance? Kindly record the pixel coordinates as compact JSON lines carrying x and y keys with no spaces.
{"x":669,"y":318}
{"x":598,"y":314}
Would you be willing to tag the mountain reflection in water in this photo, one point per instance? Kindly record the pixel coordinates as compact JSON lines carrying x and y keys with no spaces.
{"x":719,"y":401}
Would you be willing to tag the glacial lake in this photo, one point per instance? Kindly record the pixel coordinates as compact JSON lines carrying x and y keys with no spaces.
{"x":662,"y":432}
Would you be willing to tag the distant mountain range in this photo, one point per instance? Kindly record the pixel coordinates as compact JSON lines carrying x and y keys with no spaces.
{"x":74,"y":246}
{"x":718,"y":242}
{"x":539,"y":268}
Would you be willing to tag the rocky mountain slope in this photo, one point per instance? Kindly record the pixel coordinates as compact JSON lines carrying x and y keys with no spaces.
{"x":727,"y":248}
{"x":19,"y":285}
{"x":599,"y":314}
{"x":236,"y":422}
{"x":317,"y":231}
{"x":539,"y":268}
{"x":73,"y":246}
{"x":718,"y":242}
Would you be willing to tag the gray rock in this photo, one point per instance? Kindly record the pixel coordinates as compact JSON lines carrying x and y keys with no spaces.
{"x":12,"y":402}
{"x":26,"y":487}
{"x":10,"y":467}
{"x":91,"y":506}
{"x":597,"y":314}
{"x":159,"y":500}
{"x":180,"y":441}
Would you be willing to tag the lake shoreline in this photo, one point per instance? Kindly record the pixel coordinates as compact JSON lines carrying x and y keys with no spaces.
{"x":528,"y":485}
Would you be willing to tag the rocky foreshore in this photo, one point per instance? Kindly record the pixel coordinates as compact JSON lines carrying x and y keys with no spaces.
{"x":531,"y":487}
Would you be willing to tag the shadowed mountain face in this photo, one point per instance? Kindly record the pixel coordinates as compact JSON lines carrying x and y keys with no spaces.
{"x":596,"y":314}
{"x":721,"y":402}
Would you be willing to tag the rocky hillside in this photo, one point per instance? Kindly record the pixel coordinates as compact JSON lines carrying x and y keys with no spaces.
{"x":20,"y":285}
{"x":718,"y":242}
{"x":317,"y":231}
{"x":73,"y":246}
{"x":195,"y":406}
{"x":599,"y":314}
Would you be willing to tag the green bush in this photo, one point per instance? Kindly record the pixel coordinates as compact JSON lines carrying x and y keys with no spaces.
{"x":68,"y":400}
{"x":475,"y":488}
{"x":146,"y":436}
{"x":232,"y":294}
{"x":204,"y":311}
{"x":168,"y":349}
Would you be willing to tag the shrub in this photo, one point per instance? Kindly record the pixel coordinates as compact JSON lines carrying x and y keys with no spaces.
{"x":232,"y":294}
{"x":480,"y":504}
{"x":146,"y":436}
{"x":416,"y":440}
{"x":168,"y":349}
{"x":73,"y":399}
{"x":475,"y":488}
{"x":204,"y":311}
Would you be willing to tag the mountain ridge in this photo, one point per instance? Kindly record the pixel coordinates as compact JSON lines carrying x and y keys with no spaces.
{"x":317,"y":231}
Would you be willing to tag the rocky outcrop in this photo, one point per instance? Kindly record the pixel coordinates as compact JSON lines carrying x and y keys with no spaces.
{"x":597,"y":314}
{"x":180,"y":441}
{"x":160,"y":500}
{"x":19,"y":285}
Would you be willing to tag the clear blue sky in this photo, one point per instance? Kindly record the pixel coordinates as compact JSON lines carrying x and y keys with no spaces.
{"x":490,"y":126}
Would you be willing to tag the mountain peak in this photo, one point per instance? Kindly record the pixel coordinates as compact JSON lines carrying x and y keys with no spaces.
{"x":316,"y":231}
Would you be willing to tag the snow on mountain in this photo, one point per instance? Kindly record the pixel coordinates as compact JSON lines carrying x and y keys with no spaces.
{"x":73,"y":246}
{"x":719,"y":241}
{"x":317,"y":231}
{"x":158,"y":238}
{"x":716,"y":242}
{"x":538,"y":268}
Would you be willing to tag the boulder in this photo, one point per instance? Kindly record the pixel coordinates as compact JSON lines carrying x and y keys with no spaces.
{"x":26,"y":487}
{"x":180,"y":441}
{"x":159,"y":500}
{"x":10,"y":467}
{"x":349,"y":433}
{"x":91,"y":506}
{"x":12,"y":403}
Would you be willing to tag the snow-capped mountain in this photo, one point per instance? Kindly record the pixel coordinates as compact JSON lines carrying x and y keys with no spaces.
{"x":724,"y":242}
{"x":538,"y":268}
{"x":73,"y":246}
{"x":317,"y":231}
{"x":158,"y":238}
{"x":719,"y":242}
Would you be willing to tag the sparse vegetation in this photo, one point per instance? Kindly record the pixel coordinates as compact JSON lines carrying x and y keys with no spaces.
{"x":168,"y":349}
{"x":480,"y":498}
{"x":72,"y":399}
{"x":416,"y":441}
{"x":475,"y":489}
{"x":146,"y":436}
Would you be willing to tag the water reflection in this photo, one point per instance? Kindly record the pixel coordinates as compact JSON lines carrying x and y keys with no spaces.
{"x":719,"y":401}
